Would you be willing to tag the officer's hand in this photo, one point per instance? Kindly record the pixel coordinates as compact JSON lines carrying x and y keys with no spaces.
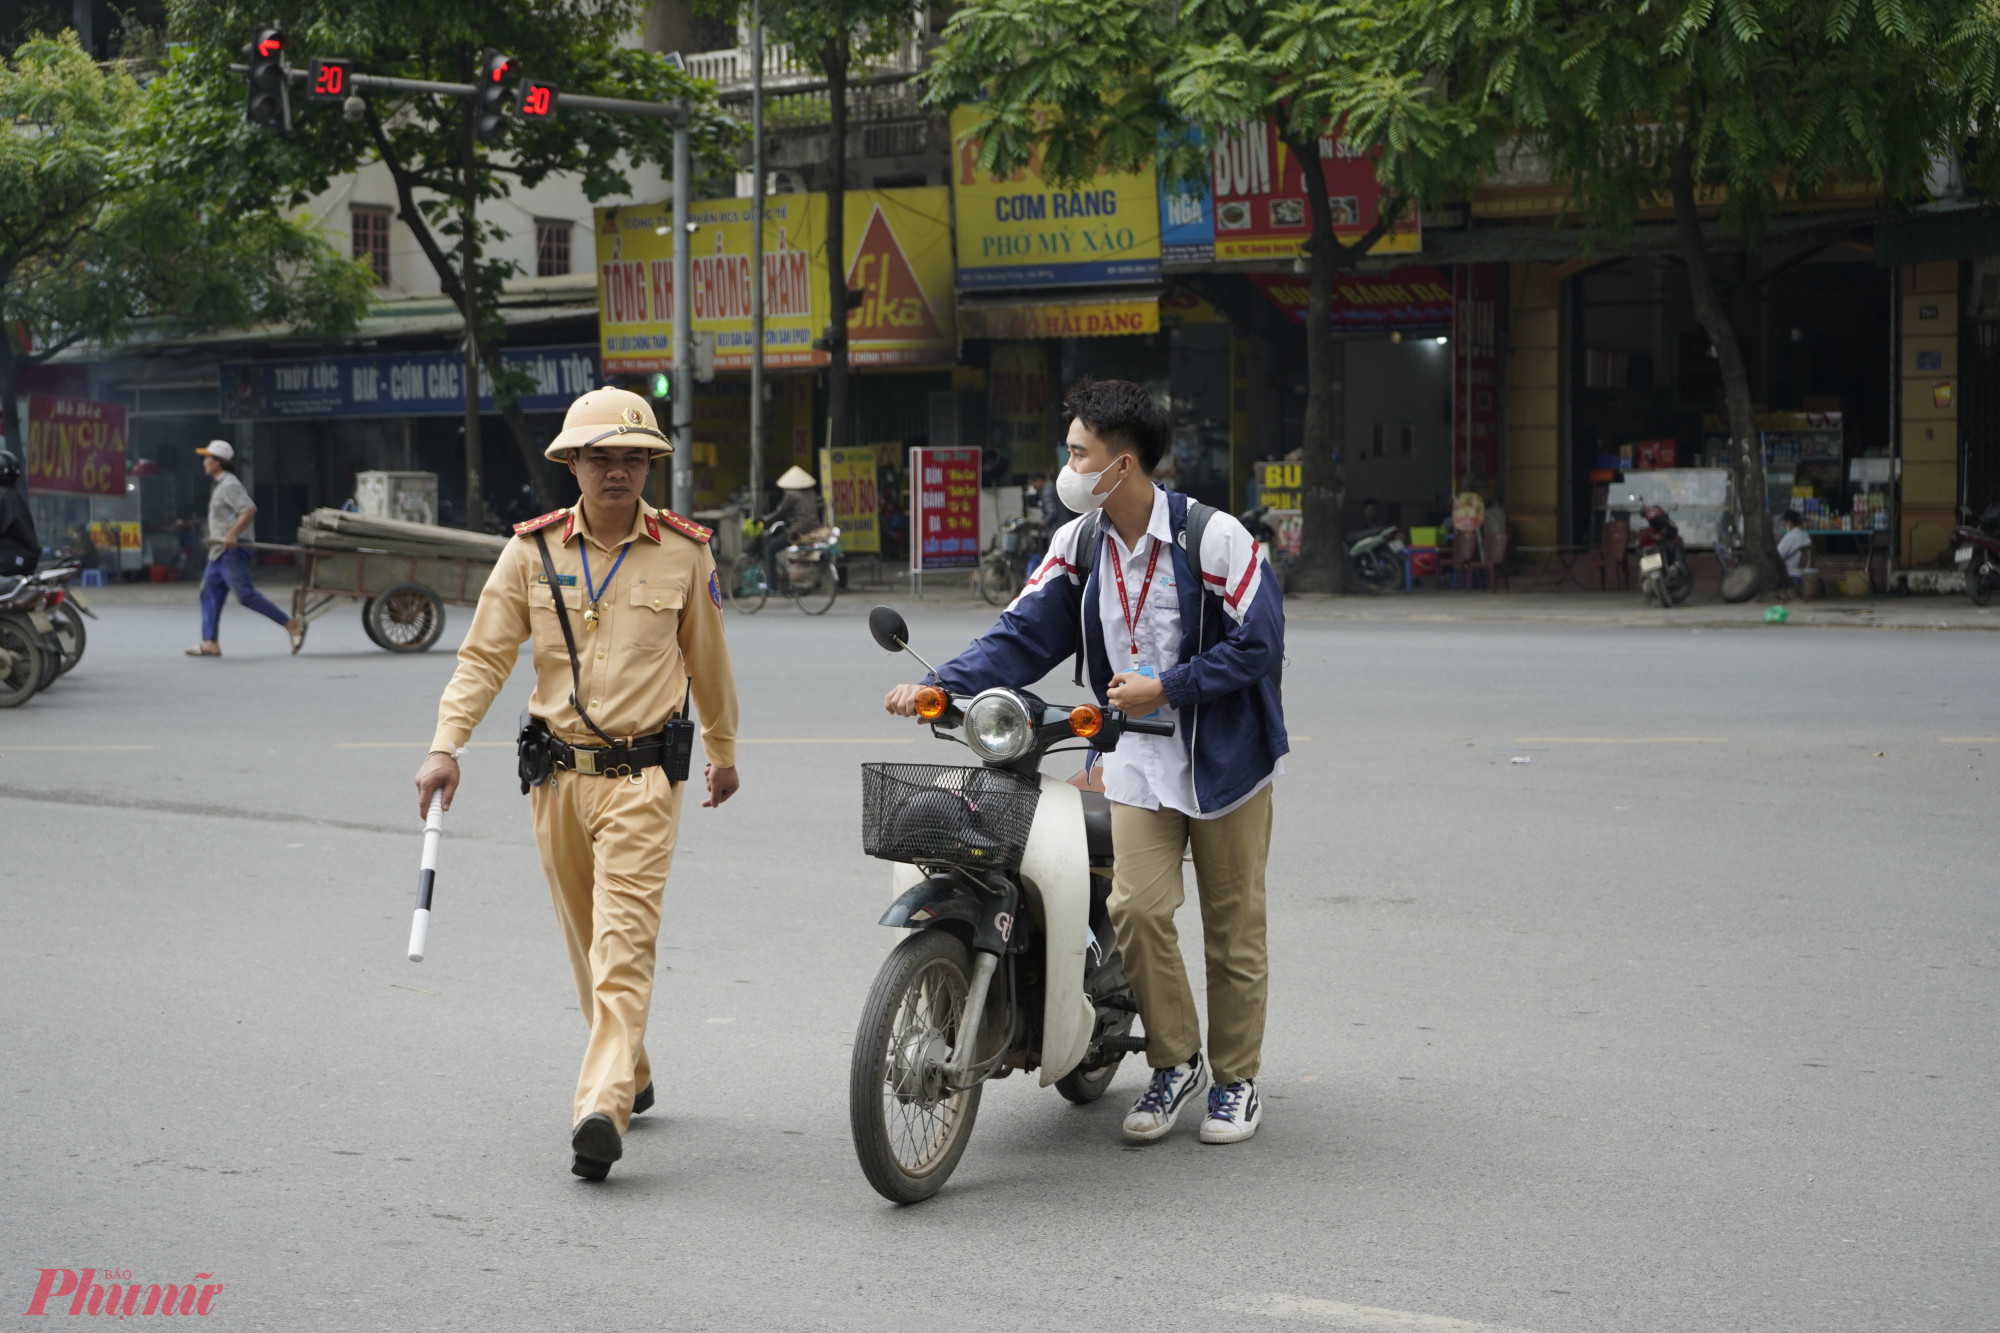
{"x":440,"y":772}
{"x":902,"y":700}
{"x":722,"y":784}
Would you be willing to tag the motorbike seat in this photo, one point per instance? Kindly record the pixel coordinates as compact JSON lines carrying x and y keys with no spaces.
{"x":1097,"y":827}
{"x":1362,"y":534}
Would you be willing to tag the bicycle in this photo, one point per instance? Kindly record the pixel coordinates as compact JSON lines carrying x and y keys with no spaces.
{"x":808,"y":573}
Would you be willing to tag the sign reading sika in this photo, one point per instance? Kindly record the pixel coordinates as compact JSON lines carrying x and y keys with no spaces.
{"x":76,"y":446}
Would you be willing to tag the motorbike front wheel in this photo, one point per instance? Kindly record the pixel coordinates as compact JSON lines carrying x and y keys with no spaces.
{"x":69,"y":635}
{"x":21,"y":665}
{"x":1379,"y":571}
{"x":908,"y":1133}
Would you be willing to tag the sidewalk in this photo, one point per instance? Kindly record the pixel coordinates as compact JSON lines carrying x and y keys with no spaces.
{"x":1624,"y":610}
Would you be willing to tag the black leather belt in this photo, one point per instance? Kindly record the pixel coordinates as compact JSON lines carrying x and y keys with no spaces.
{"x":620,"y":760}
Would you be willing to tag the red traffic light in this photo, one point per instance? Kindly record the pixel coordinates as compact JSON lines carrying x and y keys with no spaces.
{"x":499,"y":69}
{"x":538,"y":100}
{"x":270,"y":45}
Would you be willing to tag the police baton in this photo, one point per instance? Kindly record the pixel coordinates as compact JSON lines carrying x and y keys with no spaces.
{"x":420,"y":923}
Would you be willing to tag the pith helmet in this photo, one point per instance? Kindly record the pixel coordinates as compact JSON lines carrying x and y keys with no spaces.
{"x":796,"y":479}
{"x":615,"y":417}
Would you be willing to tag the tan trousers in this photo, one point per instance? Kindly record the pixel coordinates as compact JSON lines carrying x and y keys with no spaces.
{"x":607,"y":844}
{"x":1146,"y":891}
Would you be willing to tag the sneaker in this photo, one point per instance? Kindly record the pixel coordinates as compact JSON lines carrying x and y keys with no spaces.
{"x":1233,"y":1112}
{"x":1172,"y":1088}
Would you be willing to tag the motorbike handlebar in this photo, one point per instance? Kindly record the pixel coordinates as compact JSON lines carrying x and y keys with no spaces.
{"x":1149,"y":728}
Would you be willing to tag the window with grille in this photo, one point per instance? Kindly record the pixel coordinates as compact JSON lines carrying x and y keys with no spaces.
{"x":551,"y":248}
{"x":371,"y":240}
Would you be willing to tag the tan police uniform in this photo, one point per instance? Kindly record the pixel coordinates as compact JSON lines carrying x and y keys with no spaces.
{"x":606,"y":842}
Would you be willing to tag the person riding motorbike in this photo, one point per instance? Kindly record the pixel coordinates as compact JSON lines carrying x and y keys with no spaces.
{"x":20,"y":545}
{"x":1120,"y":590}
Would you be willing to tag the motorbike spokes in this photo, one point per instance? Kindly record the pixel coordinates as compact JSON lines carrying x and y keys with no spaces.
{"x":910,"y":1125}
{"x":920,"y":1115}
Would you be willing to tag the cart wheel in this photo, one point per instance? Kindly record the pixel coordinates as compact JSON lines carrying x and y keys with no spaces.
{"x":407,"y":618}
{"x":368,"y":623}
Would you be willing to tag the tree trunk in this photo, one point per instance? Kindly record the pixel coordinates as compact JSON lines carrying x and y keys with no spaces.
{"x":1746,"y":455}
{"x":833,"y":58}
{"x":1322,"y":562}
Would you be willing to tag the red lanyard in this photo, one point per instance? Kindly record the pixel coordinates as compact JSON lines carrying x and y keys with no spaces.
{"x":1118,"y":568}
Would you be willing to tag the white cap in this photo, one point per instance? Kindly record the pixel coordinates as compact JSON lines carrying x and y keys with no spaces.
{"x":221,"y":449}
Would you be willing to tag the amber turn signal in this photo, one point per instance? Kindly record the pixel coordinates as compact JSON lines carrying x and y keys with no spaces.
{"x":931,"y":703}
{"x":1085,"y":721}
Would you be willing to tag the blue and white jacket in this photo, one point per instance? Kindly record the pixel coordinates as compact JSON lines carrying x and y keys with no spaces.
{"x":1232,"y":639}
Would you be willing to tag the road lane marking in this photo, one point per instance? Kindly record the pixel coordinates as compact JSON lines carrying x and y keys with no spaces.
{"x":1969,"y":740}
{"x":417,"y":745}
{"x":67,"y":749}
{"x":1358,"y":1318}
{"x":1620,"y":740}
{"x":496,"y":745}
{"x":825,"y":740}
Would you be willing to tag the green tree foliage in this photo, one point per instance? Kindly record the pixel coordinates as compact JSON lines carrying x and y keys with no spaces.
{"x":100,"y":236}
{"x":425,"y":141}
{"x":1090,"y":86}
{"x":1750,"y":105}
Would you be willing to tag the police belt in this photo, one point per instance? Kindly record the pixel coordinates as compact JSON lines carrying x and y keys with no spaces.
{"x":619,"y":760}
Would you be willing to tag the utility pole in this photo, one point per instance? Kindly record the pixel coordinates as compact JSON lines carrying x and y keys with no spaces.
{"x":475,"y":502}
{"x":756,"y":257}
{"x":683,"y":324}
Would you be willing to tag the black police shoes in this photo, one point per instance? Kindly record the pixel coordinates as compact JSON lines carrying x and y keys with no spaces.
{"x":596,"y":1144}
{"x":644,"y":1101}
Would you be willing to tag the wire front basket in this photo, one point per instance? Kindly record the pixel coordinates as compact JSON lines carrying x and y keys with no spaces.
{"x":933,"y":814}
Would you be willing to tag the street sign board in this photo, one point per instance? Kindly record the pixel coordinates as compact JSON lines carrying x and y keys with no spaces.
{"x":76,"y":446}
{"x":944,"y":509}
{"x":396,"y":384}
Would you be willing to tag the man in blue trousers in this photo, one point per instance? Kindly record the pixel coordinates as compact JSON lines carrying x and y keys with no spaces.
{"x":229,"y":513}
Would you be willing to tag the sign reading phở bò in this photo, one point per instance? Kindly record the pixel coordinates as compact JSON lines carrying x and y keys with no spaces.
{"x":1022,"y":232}
{"x":851,"y":504}
{"x":898,"y":257}
{"x":76,"y":446}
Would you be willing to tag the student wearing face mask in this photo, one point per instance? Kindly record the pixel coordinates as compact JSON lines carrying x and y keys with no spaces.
{"x":1195,"y":640}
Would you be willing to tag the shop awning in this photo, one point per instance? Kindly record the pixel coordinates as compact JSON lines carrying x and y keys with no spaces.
{"x":1096,"y":314}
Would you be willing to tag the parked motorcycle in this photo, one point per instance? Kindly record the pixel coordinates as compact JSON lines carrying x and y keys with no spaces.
{"x":1978,"y":556}
{"x":806,"y":572}
{"x":1002,"y":876}
{"x":30,"y":655}
{"x":1376,"y":556}
{"x":1665,"y":577}
{"x":1004,"y":570}
{"x":67,"y":611}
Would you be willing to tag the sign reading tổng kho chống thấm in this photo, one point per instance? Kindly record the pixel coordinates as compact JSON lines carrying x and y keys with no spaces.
{"x":898,"y":245}
{"x":1021,"y":232}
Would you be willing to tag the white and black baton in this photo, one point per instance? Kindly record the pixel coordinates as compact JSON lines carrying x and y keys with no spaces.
{"x":420,"y":923}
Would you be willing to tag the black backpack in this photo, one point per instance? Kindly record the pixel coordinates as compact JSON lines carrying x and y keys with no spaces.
{"x":1090,"y":536}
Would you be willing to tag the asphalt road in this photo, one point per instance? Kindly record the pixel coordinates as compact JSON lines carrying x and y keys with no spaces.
{"x":1685,"y":1023}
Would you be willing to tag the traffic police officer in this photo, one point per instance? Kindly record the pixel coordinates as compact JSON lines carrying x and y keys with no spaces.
{"x":644,"y":608}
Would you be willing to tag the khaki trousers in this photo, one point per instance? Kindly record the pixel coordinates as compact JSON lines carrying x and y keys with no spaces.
{"x":1146,"y":891}
{"x":607,"y":844}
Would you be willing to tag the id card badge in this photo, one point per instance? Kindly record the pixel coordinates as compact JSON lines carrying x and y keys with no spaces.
{"x":1146,"y":669}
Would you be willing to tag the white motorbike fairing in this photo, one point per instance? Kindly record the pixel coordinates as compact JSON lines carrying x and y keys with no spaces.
{"x":1056,"y":869}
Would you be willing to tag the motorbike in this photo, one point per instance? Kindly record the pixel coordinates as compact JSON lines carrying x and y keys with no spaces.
{"x":1665,"y":577}
{"x":67,"y":611}
{"x":807,"y":572}
{"x":30,"y":654}
{"x":1978,"y":556}
{"x":1004,"y":569}
{"x":1376,"y":557}
{"x":1002,"y":876}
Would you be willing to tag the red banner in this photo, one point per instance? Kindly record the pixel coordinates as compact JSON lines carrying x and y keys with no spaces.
{"x":1416,"y":297}
{"x":76,"y":446}
{"x":944,"y":508}
{"x":1261,"y":208}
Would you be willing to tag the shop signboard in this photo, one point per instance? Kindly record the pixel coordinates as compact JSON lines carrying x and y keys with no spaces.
{"x":120,"y":536}
{"x":1029,"y":321}
{"x":848,"y":479}
{"x":397,"y":384}
{"x":1256,"y":205}
{"x":1414,"y":297}
{"x":76,"y":446}
{"x":898,"y":256}
{"x":1018,"y":396}
{"x":944,"y":509}
{"x":1022,"y":232}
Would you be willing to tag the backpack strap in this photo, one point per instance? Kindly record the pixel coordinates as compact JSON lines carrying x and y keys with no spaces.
{"x":1198,"y":515}
{"x":1089,"y":536}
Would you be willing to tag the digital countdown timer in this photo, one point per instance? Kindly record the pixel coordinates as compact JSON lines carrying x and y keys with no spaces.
{"x":538,"y":100}
{"x":327,"y":80}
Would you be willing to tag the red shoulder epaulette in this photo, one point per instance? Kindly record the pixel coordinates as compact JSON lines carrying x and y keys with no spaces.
{"x":535,"y":524}
{"x":686,"y":527}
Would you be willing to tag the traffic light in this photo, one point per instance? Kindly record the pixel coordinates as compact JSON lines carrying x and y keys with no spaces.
{"x":662,"y":384}
{"x":495,"y":93}
{"x":327,"y":80}
{"x":538,"y":100}
{"x":270,"y":105}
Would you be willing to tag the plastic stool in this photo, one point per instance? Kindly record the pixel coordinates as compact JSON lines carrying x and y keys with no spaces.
{"x":92,"y":578}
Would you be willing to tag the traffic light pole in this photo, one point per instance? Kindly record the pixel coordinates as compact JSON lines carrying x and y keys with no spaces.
{"x":683,"y":327}
{"x":756,"y":258}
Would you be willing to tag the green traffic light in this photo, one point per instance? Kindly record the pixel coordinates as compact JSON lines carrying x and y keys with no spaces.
{"x":663,"y":385}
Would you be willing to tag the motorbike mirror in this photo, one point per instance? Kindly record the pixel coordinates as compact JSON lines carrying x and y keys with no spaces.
{"x":889,"y":629}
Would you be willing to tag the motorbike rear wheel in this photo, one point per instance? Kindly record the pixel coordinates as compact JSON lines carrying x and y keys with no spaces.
{"x":1379,"y":571}
{"x":69,"y":635}
{"x":21,"y":666}
{"x":1980,"y":577}
{"x":816,"y":598}
{"x":749,"y":589}
{"x":1679,"y":583}
{"x":907,"y":1134}
{"x":997,"y":583}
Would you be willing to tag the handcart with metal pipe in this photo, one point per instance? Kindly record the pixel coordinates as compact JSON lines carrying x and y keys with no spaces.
{"x":404,"y":574}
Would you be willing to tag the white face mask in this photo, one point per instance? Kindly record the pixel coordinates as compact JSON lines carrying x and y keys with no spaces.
{"x":1077,"y":490}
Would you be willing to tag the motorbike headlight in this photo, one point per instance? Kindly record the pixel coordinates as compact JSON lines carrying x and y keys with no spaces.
{"x":998,"y":728}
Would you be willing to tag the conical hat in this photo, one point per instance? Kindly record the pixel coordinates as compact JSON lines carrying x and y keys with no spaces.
{"x":796,"y":479}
